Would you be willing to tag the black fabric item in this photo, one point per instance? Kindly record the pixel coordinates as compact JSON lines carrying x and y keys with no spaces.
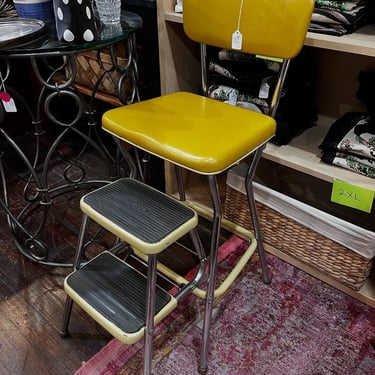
{"x":350,"y":144}
{"x":295,"y":113}
{"x":334,"y":18}
{"x":355,"y":163}
{"x":339,"y":129}
{"x":140,"y":3}
{"x":2,"y":114}
{"x":75,"y":21}
{"x":365,"y":92}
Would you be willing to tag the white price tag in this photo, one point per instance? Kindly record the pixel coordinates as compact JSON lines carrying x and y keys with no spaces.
{"x":264,"y":90}
{"x":232,"y":99}
{"x":237,"y":40}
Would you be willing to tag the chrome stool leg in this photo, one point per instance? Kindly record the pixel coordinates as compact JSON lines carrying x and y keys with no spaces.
{"x":254,"y":215}
{"x":66,"y":317}
{"x":216,"y":227}
{"x":77,"y":262}
{"x":149,"y":333}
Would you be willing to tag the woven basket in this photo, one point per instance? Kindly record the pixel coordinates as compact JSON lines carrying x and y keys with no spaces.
{"x":300,"y":242}
{"x":89,"y":71}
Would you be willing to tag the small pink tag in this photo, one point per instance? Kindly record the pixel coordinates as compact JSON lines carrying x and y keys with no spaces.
{"x":8,"y":102}
{"x":4,"y":96}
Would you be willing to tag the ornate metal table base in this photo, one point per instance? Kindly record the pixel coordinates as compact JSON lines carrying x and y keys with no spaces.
{"x":65,"y":153}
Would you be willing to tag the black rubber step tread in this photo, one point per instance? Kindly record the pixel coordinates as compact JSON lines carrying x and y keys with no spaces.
{"x":116,"y":291}
{"x":140,"y":210}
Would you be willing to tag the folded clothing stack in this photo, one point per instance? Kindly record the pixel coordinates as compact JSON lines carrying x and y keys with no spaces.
{"x":248,"y":81}
{"x":350,"y":144}
{"x":350,"y":141}
{"x":339,"y":17}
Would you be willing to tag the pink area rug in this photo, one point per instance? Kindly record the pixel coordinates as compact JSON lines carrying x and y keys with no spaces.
{"x":297,"y":325}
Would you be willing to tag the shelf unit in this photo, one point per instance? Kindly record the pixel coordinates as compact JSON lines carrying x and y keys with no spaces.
{"x":179,"y":70}
{"x":303,"y":155}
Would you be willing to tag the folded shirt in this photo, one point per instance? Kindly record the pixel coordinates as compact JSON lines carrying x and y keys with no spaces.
{"x":339,"y":17}
{"x":354,"y":163}
{"x":352,"y":133}
{"x":340,"y":5}
{"x":350,"y":144}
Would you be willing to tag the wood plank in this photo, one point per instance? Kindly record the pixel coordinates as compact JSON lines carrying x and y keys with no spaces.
{"x":303,"y":155}
{"x":360,"y":42}
{"x":178,"y":56}
{"x":31,"y":306}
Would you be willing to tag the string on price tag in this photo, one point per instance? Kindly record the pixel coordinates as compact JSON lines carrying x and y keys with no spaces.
{"x":237,"y":35}
{"x":7,"y":101}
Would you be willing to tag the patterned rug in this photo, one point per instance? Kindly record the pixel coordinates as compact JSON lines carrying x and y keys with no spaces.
{"x":297,"y":325}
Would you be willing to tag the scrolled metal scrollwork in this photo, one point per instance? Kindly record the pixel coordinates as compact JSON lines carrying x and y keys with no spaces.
{"x":63,"y":137}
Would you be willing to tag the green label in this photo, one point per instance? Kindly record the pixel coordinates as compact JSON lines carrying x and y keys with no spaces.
{"x":277,"y":59}
{"x":352,"y":196}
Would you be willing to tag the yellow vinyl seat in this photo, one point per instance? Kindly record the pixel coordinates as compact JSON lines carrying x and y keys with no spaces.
{"x":200,"y":135}
{"x":192,"y":131}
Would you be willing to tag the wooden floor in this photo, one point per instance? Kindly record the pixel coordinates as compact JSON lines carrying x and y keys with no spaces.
{"x":31,"y":306}
{"x":32,"y":296}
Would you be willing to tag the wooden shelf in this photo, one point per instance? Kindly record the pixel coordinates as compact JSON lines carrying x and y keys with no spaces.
{"x":303,"y":155}
{"x":174,"y":17}
{"x":303,"y":152}
{"x":360,"y":42}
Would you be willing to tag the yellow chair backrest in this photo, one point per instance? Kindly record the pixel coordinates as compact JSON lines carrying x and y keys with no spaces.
{"x":274,"y":28}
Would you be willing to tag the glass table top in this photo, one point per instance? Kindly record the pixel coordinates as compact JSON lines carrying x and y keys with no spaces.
{"x":23,"y":37}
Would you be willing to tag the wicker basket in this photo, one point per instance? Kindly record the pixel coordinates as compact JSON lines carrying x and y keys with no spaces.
{"x":300,"y":242}
{"x":89,"y":70}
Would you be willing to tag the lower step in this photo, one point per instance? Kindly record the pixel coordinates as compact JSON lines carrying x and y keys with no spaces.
{"x":114,"y":294}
